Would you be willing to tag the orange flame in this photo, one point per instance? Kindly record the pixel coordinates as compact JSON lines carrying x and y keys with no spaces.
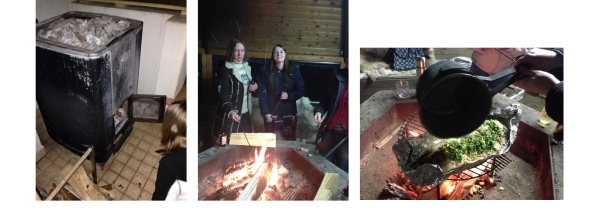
{"x":447,"y":187}
{"x":259,"y":158}
{"x":274,"y":175}
{"x":235,"y":179}
{"x":413,"y":133}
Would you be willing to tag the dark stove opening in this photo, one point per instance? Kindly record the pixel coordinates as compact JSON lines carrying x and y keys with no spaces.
{"x":123,"y":127}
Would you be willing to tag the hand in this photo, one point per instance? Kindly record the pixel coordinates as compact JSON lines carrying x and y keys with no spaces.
{"x":252,"y":87}
{"x":234,"y":116}
{"x":268,"y":117}
{"x":284,"y":95}
{"x":170,"y":101}
{"x":540,"y":59}
{"x":318,"y":118}
{"x":535,"y":81}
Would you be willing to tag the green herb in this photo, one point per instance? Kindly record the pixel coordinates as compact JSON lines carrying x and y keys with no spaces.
{"x":478,"y":142}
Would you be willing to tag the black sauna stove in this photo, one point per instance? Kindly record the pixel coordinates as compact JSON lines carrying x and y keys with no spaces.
{"x":79,"y":90}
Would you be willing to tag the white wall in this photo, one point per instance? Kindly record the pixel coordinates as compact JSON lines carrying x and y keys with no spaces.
{"x":46,"y":9}
{"x":171,"y":62}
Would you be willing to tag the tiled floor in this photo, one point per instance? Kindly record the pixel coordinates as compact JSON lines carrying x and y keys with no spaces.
{"x":131,"y":171}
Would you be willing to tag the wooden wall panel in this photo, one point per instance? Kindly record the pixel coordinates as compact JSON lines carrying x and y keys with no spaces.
{"x":304,"y":27}
{"x":332,"y":3}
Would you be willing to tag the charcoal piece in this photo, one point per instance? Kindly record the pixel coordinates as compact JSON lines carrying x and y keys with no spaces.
{"x":226,"y":193}
{"x":392,"y":191}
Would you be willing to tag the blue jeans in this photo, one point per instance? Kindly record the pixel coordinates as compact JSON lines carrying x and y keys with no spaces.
{"x":491,"y":84}
{"x":339,"y":157}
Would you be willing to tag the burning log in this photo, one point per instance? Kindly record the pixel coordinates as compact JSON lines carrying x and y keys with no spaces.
{"x":283,"y":181}
{"x":270,"y":194}
{"x":392,"y":191}
{"x":237,"y":166}
{"x":489,"y":182}
{"x":256,"y":186}
{"x":227,"y":193}
{"x":283,"y":172}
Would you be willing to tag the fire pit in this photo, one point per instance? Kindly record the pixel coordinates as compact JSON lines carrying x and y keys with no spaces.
{"x":525,"y":172}
{"x":302,"y":173}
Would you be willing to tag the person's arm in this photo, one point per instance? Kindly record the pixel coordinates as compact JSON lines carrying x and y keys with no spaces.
{"x":262,"y":92}
{"x":224,"y":94}
{"x":298,"y":91}
{"x":542,"y":82}
{"x":541,"y":59}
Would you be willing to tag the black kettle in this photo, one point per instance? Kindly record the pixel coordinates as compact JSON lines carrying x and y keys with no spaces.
{"x":453,"y":102}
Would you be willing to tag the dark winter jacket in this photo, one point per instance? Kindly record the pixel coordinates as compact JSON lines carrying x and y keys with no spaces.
{"x":268,"y":95}
{"x":555,"y":103}
{"x":330,"y":103}
{"x":231,"y":95}
{"x":171,"y":167}
{"x":554,"y":98}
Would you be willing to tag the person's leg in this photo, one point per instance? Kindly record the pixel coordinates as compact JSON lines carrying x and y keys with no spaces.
{"x":342,"y":156}
{"x":246,"y":123}
{"x":269,"y":127}
{"x":289,"y":128}
{"x":328,"y":142}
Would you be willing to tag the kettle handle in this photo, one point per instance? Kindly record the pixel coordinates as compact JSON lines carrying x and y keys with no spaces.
{"x":506,"y":83}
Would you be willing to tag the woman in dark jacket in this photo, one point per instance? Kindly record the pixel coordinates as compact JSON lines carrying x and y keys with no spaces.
{"x":235,"y":86}
{"x":280,"y":86}
{"x":172,"y":166}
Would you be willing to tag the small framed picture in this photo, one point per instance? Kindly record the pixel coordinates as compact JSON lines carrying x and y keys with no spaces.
{"x":147,"y":108}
